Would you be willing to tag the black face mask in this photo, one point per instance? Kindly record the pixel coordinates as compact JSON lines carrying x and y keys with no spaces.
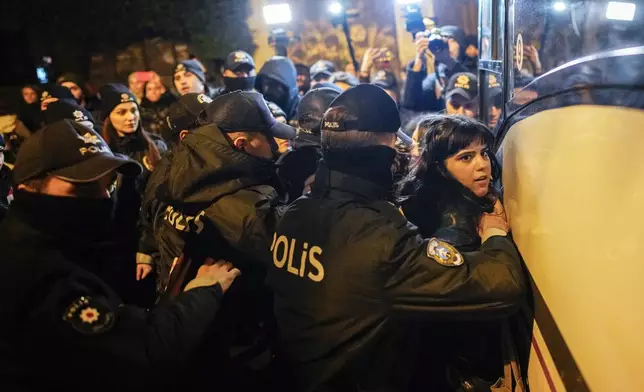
{"x":244,"y":84}
{"x":81,"y":217}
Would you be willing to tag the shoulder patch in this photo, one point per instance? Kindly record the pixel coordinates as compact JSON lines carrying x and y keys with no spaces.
{"x":443,"y":253}
{"x":89,"y":316}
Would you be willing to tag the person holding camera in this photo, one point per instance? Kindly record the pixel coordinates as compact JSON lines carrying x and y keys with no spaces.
{"x":443,"y":48}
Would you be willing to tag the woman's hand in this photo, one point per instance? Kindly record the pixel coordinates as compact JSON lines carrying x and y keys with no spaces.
{"x":495,"y":223}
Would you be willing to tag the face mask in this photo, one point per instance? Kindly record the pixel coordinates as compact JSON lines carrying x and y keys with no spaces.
{"x":276,"y":95}
{"x":244,"y":84}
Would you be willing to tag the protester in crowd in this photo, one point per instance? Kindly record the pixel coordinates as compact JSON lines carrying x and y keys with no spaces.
{"x":13,"y":131}
{"x":303,"y":78}
{"x":76,"y":84}
{"x":353,"y":280}
{"x":445,"y":195}
{"x":344,"y":80}
{"x":154,"y":108}
{"x":239,"y":73}
{"x":461,"y":95}
{"x":321,"y":71}
{"x":297,"y":167}
{"x":373,"y":58}
{"x":280,"y":116}
{"x":221,"y":191}
{"x":184,"y":116}
{"x":136,"y":82}
{"x":29,"y":112}
{"x":60,"y":306}
{"x":423,"y":91}
{"x":189,"y":77}
{"x":66,"y":109}
{"x":277,"y":82}
{"x":387,"y":81}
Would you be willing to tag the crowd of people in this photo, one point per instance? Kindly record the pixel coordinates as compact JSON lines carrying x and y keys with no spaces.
{"x":286,"y":231}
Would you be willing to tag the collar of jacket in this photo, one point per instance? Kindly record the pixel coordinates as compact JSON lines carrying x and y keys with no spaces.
{"x":205,"y":167}
{"x":366,"y":172}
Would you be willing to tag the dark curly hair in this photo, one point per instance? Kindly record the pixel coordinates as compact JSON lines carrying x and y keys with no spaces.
{"x":445,"y":136}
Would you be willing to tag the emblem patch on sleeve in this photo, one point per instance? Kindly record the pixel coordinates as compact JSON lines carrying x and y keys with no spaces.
{"x":89,"y":316}
{"x":444,"y":253}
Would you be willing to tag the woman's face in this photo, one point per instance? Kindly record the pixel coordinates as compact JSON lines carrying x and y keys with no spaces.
{"x":471,"y":167}
{"x":125,"y":118}
{"x":153,"y":91}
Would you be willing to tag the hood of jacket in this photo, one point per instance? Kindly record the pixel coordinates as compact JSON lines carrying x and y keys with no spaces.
{"x":282,"y":70}
{"x":205,"y":167}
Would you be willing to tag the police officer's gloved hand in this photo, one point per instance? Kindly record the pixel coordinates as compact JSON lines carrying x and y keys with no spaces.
{"x":212,"y":273}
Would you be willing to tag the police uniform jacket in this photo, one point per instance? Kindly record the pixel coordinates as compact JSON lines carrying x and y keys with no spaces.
{"x":220,"y":204}
{"x":351,"y":275}
{"x":65,"y":328}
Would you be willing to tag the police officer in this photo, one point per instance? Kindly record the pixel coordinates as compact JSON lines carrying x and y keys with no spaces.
{"x":185,"y":115}
{"x":351,"y":276}
{"x":239,"y":73}
{"x":63,"y":324}
{"x":221,"y":191}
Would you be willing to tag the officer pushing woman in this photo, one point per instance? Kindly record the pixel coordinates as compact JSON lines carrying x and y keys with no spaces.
{"x":353,"y":279}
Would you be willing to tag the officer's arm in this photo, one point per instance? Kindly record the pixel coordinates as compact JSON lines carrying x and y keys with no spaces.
{"x":121,"y":342}
{"x":440,"y":281}
{"x":246,"y":220}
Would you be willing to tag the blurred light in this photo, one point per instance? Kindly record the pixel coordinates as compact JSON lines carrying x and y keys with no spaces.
{"x":618,"y":10}
{"x":405,"y":2}
{"x":277,"y":14}
{"x":559,"y":6}
{"x":335,"y":8}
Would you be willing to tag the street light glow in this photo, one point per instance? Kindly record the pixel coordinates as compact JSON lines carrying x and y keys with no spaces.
{"x":559,"y":6}
{"x":406,"y":2}
{"x":335,"y":8}
{"x":617,"y":10}
{"x":277,"y":14}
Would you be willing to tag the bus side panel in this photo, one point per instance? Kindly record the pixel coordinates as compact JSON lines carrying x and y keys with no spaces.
{"x":574,"y":191}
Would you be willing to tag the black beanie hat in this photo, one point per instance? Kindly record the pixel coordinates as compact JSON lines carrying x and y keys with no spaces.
{"x":114,"y":94}
{"x":57,"y":91}
{"x":71,"y":77}
{"x":64,"y":109}
{"x":192,"y":66}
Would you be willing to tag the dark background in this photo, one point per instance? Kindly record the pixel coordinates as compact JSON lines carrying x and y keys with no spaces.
{"x":71,"y":31}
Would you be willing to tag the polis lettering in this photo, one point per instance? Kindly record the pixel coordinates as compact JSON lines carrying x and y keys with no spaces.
{"x":285,"y":254}
{"x":184,"y":223}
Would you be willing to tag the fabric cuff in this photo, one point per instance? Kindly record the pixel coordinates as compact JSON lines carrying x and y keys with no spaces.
{"x":142,"y":258}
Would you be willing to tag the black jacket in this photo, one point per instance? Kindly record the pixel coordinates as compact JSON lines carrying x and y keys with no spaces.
{"x":282,"y":70}
{"x":451,"y":213}
{"x":151,"y":216}
{"x":351,"y":276}
{"x":62,"y":318}
{"x":419,"y":92}
{"x":220,"y":203}
{"x":153,"y":115}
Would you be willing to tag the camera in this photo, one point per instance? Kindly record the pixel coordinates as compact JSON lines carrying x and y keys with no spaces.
{"x":437,"y":43}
